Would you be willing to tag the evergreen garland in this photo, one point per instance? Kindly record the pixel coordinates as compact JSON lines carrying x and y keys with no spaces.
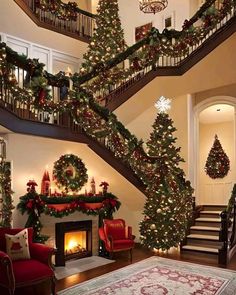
{"x":34,"y":205}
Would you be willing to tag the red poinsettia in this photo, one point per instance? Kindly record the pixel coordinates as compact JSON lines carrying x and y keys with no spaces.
{"x":104,"y":186}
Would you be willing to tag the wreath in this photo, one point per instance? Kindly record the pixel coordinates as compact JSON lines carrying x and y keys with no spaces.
{"x":70,"y":172}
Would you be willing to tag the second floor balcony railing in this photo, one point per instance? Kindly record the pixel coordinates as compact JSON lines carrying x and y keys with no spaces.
{"x":64,"y":18}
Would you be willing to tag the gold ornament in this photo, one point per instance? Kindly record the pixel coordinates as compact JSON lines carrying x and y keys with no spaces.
{"x":153,"y":226}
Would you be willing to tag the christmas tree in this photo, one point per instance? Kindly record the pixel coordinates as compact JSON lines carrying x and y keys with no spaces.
{"x":6,"y":200}
{"x":106,"y":43}
{"x":217,"y":164}
{"x":168,"y":207}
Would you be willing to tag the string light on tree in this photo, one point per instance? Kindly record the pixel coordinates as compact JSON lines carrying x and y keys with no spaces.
{"x":169,"y":196}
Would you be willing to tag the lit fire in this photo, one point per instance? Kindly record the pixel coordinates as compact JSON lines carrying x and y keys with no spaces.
{"x":75,"y":242}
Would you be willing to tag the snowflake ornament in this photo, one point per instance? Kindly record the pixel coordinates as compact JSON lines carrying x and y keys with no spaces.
{"x":163,"y":104}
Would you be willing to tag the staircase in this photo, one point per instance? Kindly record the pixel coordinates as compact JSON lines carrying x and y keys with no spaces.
{"x":203,"y":239}
{"x":175,"y":64}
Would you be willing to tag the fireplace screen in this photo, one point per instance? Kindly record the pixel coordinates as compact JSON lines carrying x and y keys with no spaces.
{"x":73,"y":240}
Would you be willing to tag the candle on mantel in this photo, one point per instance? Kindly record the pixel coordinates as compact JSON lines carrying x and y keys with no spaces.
{"x":69,"y":74}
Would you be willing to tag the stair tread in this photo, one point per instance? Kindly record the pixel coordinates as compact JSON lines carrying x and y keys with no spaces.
{"x":200,"y":248}
{"x":210,"y":212}
{"x":207,"y":237}
{"x":198,"y":227}
{"x":208,"y":219}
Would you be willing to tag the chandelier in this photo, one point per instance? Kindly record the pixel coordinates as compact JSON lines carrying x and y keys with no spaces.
{"x":152,"y":6}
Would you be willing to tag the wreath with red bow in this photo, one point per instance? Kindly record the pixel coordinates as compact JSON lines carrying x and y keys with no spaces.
{"x":70,"y":173}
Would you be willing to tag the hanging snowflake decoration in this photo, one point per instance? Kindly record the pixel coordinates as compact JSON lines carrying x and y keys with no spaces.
{"x":163,"y":104}
{"x":217,"y":164}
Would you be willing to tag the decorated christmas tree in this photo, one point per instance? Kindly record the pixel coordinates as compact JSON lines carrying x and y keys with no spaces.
{"x":6,"y":200}
{"x":217,"y":164}
{"x":168,"y":207}
{"x":106,"y":43}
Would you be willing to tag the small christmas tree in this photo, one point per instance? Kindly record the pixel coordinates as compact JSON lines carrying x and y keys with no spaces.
{"x":106,"y":43}
{"x":217,"y":164}
{"x":169,"y":196}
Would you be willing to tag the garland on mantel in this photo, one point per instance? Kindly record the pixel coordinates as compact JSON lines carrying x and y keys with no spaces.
{"x":34,"y":205}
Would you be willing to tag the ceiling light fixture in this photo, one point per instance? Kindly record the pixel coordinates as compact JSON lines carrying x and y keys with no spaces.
{"x":152,"y":6}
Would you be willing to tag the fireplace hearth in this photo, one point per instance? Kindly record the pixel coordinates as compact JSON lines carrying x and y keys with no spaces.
{"x":73,"y":240}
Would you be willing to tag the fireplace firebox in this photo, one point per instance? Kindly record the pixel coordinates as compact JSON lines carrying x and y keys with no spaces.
{"x":73,"y":240}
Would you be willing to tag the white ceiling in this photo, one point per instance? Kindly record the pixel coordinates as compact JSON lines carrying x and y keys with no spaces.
{"x":216,"y":114}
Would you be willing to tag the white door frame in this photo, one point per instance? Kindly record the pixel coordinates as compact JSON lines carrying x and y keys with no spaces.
{"x":193,"y":169}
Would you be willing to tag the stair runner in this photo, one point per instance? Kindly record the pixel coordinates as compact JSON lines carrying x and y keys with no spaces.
{"x":204,"y":234}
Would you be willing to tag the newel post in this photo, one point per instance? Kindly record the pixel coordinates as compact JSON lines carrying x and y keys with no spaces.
{"x":223,"y":237}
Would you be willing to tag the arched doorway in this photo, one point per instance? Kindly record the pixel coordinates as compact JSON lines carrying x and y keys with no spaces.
{"x":212,"y":116}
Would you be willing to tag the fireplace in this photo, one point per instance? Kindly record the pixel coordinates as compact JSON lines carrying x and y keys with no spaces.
{"x":73,"y":240}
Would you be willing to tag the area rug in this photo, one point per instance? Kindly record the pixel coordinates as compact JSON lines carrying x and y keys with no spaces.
{"x":160,"y":276}
{"x":76,"y":266}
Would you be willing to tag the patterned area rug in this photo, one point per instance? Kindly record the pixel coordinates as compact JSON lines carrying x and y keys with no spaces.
{"x":160,"y":276}
{"x":79,"y":265}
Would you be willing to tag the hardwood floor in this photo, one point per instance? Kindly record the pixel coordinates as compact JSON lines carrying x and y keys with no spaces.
{"x":122,"y":260}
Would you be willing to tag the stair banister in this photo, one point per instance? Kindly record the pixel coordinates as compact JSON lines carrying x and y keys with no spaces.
{"x":228,"y":230}
{"x":80,"y":24}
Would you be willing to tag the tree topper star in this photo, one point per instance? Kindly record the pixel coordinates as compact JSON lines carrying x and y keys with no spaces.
{"x":163,"y":104}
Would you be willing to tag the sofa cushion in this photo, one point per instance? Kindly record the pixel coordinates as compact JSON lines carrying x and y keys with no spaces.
{"x":30,"y":270}
{"x":12,"y":231}
{"x":17,"y":246}
{"x":123,"y":244}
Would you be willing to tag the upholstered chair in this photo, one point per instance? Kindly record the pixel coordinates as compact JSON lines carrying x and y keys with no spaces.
{"x":25,"y":272}
{"x":116,"y":236}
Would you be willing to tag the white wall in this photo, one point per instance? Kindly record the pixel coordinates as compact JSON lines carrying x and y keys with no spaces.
{"x":132,"y":17}
{"x":215,"y":191}
{"x":30,"y":155}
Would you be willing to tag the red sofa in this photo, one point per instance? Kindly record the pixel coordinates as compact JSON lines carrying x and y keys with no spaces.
{"x":25,"y":272}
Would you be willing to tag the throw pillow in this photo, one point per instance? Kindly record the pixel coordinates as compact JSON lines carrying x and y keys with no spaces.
{"x":18,"y":245}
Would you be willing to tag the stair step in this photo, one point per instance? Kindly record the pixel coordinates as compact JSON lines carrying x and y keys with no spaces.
{"x":210,"y":212}
{"x":203,"y":237}
{"x":204,"y":219}
{"x":210,"y":228}
{"x":201,"y":249}
{"x":214,"y":207}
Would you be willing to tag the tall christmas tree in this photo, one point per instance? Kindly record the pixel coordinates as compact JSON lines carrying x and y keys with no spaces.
{"x":106,"y":43}
{"x":168,"y":207}
{"x":217,"y":164}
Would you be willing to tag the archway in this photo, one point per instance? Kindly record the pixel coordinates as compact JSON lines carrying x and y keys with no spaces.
{"x":208,"y":190}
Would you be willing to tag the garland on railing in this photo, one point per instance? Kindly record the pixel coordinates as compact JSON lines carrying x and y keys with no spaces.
{"x":64,"y":11}
{"x":34,"y":205}
{"x":170,"y":43}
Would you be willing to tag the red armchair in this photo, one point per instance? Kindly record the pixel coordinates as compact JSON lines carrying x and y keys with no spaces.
{"x":116,"y":236}
{"x":26,"y":272}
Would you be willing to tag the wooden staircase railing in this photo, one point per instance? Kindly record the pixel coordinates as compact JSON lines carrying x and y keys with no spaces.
{"x":23,"y":117}
{"x":76,"y":23}
{"x":163,"y":63}
{"x":228,"y":230}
